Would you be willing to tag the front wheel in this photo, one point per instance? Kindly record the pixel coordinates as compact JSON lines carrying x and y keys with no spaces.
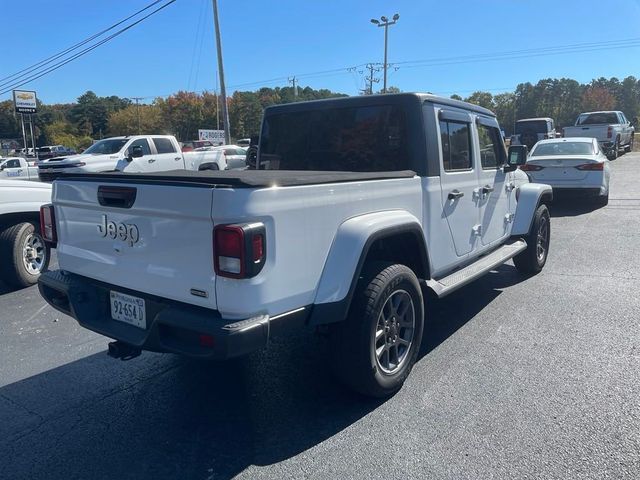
{"x":533,"y":258}
{"x":629,"y":147}
{"x":23,"y":254}
{"x":378,"y":344}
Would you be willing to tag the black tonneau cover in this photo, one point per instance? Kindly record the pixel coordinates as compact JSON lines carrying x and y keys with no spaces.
{"x":238,"y":178}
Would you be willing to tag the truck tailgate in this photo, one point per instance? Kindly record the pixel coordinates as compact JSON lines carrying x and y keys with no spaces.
{"x":154,"y":245}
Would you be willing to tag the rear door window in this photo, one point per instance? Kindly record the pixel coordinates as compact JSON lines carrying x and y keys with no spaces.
{"x":164,"y":145}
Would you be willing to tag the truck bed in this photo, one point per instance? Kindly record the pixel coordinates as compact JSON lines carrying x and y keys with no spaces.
{"x":240,"y":178}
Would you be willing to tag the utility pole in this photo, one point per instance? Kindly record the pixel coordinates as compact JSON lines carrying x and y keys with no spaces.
{"x":385,"y":22}
{"x":217,"y":104}
{"x":137,"y":99}
{"x":293,"y":81}
{"x":223,"y":90}
{"x":371,"y":80}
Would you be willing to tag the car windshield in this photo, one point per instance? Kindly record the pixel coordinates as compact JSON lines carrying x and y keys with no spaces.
{"x":563,"y":148}
{"x":359,"y":139}
{"x":598,"y":118}
{"x":106,"y":147}
{"x":535,"y":126}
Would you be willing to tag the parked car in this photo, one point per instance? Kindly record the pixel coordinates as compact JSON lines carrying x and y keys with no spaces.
{"x":611,"y":128}
{"x":138,"y":153}
{"x":234,"y":157}
{"x":572,"y":166}
{"x":368,"y":202}
{"x":53,"y":151}
{"x":23,"y":253}
{"x":18,"y":168}
{"x":195,"y":144}
{"x":528,"y":131}
{"x":244,"y":142}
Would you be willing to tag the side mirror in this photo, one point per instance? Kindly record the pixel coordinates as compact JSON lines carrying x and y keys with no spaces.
{"x":517,"y":157}
{"x":135,"y":152}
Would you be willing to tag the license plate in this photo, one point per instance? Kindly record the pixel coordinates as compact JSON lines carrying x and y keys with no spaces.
{"x":128,"y":309}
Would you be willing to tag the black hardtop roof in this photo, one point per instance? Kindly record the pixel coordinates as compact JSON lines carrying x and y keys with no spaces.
{"x":384,"y":99}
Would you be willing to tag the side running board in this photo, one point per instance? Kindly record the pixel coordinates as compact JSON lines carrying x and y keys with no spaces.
{"x":459,"y":278}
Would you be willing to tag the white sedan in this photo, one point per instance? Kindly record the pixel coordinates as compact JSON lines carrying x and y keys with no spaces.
{"x":572,"y":166}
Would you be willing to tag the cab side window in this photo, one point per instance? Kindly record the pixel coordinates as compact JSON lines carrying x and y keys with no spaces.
{"x":492,"y":153}
{"x":164,"y":145}
{"x":456,"y":145}
{"x":143,"y":143}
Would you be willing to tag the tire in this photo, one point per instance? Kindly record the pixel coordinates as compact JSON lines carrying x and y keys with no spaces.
{"x":374,"y":325}
{"x":23,"y":254}
{"x":533,"y":259}
{"x":613,"y":154}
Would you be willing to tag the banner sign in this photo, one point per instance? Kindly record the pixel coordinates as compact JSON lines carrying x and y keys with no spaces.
{"x":25,"y":101}
{"x":214,"y":136}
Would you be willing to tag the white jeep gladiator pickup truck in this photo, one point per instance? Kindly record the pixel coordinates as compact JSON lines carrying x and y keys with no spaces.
{"x":137,"y":153}
{"x":23,"y":252}
{"x":612,"y":130}
{"x":359,"y":206}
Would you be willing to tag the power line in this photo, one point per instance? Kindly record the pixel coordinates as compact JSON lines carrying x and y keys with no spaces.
{"x":55,"y":56}
{"x":82,"y":52}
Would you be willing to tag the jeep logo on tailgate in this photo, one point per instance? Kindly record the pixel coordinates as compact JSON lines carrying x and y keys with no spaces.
{"x":127,"y":232}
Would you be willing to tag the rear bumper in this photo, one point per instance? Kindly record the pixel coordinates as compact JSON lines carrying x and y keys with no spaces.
{"x":574,"y":192}
{"x":171,"y":326}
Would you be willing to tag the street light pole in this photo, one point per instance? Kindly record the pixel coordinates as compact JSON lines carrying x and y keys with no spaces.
{"x":223,"y":90}
{"x":385,"y":22}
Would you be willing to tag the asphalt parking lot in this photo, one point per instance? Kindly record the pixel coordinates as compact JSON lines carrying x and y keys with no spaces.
{"x":519,"y":378}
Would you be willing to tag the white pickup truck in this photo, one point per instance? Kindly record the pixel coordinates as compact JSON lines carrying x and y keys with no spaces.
{"x":367,"y":203}
{"x":23,"y":252}
{"x":137,"y":153}
{"x":611,"y":128}
{"x":18,"y":168}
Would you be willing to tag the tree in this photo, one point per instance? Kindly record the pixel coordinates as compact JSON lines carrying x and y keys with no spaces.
{"x":137,"y":119}
{"x":455,"y":96}
{"x":597,"y":98}
{"x":504,"y":108}
{"x":483,"y":99}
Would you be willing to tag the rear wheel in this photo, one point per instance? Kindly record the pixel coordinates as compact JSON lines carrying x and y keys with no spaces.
{"x":613,"y":154}
{"x":378,"y":344}
{"x":534,"y":257}
{"x":23,"y":254}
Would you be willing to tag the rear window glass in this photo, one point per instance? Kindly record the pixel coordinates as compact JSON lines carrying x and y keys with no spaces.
{"x":598,"y":118}
{"x":163,"y":145}
{"x":535,"y":126}
{"x":563,"y":148}
{"x":357,"y":139}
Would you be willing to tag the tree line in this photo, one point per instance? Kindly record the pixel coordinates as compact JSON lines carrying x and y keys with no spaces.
{"x":561,"y":99}
{"x":182,"y":114}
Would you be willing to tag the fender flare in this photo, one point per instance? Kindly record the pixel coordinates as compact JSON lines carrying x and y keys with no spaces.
{"x":529,"y":197}
{"x":347,"y":256}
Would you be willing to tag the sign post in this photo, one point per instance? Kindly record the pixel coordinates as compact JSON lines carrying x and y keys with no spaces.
{"x":25,"y":101}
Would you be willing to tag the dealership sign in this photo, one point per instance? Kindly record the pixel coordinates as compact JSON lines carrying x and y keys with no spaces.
{"x":25,"y":101}
{"x":214,"y":136}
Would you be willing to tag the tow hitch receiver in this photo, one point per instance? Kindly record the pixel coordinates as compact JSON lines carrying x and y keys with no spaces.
{"x":123,"y":351}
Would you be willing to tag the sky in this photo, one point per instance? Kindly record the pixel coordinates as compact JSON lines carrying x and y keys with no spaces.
{"x":266,"y":42}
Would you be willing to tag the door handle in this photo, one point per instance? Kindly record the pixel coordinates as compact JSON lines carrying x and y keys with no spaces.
{"x":151,"y":160}
{"x":177,"y":158}
{"x":455,"y":194}
{"x":487,"y":189}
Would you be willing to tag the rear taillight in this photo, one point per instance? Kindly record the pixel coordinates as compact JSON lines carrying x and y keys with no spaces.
{"x":239,"y":250}
{"x":530,"y":168}
{"x":609,"y":132}
{"x":48,"y":224}
{"x":591,"y":166}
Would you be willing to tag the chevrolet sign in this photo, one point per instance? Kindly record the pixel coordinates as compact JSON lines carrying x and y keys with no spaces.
{"x":25,"y":101}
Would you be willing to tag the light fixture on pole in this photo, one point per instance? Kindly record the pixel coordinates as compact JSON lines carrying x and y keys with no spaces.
{"x":385,"y":22}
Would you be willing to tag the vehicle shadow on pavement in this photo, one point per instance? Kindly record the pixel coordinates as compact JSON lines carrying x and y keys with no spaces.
{"x":163,"y":416}
{"x":572,"y":207}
